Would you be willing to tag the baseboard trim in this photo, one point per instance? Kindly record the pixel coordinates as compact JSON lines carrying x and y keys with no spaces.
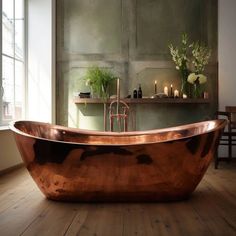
{"x":10,"y":169}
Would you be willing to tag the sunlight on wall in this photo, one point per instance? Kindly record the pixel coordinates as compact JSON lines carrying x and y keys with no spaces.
{"x":40,"y":60}
{"x":39,"y":92}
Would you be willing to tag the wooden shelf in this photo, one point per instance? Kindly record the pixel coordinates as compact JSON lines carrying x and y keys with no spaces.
{"x":78,"y":100}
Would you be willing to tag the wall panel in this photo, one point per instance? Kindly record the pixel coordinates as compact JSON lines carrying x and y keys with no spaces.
{"x":131,"y":38}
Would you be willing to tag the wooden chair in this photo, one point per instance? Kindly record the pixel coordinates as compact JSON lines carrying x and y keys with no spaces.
{"x":229,"y":135}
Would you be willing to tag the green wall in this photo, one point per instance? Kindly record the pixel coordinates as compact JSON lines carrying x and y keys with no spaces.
{"x":131,"y":38}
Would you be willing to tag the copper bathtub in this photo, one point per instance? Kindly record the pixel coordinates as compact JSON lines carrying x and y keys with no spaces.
{"x":78,"y":165}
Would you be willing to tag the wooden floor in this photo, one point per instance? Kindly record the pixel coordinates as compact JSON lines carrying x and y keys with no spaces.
{"x":210,"y":211}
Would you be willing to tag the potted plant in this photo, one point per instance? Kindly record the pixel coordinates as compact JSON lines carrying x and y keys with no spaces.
{"x":99,"y":80}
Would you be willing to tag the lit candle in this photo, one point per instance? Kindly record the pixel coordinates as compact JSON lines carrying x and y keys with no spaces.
{"x":171,"y":90}
{"x":205,"y":95}
{"x":155,"y":87}
{"x":184,"y":96}
{"x":166,"y":90}
{"x":176,"y":93}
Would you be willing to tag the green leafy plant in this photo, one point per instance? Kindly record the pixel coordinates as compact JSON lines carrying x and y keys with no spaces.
{"x":99,"y":80}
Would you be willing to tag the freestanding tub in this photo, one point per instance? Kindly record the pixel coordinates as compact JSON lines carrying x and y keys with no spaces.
{"x":78,"y":165}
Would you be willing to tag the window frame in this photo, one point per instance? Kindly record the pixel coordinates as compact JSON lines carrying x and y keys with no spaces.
{"x":1,"y":88}
{"x":14,"y":58}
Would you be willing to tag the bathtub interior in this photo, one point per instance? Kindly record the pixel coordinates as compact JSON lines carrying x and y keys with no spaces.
{"x":64,"y":134}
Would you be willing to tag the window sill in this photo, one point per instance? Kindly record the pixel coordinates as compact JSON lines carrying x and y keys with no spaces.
{"x":5,"y":127}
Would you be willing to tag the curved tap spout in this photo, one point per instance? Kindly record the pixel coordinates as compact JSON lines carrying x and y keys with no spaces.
{"x":120,"y":110}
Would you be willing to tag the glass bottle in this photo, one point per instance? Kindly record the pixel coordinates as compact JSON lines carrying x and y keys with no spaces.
{"x":135,"y":93}
{"x":140,"y":93}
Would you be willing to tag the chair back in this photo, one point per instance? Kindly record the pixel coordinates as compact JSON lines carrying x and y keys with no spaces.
{"x":228,"y":137}
{"x":232,"y":117}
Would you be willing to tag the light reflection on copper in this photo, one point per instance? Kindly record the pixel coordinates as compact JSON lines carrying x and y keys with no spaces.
{"x":79,"y":165}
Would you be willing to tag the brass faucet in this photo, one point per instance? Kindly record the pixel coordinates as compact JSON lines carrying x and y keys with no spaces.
{"x":119,"y":111}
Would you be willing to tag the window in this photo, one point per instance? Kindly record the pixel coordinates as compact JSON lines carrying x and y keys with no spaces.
{"x":13,"y":65}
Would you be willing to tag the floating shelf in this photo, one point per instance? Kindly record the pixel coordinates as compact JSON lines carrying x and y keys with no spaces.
{"x":78,"y":100}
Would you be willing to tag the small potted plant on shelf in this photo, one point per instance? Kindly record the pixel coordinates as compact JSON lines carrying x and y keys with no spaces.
{"x":99,"y":80}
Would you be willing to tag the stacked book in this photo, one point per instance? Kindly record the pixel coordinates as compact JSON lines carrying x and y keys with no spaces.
{"x":84,"y":95}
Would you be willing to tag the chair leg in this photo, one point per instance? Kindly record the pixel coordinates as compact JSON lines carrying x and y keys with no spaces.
{"x":216,"y":159}
{"x":230,"y":149}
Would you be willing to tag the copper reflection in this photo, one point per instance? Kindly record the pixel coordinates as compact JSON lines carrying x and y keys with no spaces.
{"x":78,"y":165}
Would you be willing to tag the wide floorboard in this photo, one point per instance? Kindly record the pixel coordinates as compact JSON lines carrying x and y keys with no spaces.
{"x":211,"y":210}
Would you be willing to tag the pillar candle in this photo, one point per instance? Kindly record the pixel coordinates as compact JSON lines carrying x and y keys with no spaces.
{"x":176,"y":93}
{"x":205,"y":95}
{"x":166,"y":90}
{"x":155,"y":87}
{"x":171,"y":90}
{"x":184,"y":96}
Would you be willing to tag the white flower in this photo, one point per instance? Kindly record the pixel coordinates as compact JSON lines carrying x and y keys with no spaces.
{"x":202,"y":78}
{"x":192,"y":78}
{"x":87,"y":82}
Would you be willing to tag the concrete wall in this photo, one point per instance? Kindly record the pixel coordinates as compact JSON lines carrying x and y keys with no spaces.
{"x":131,"y":37}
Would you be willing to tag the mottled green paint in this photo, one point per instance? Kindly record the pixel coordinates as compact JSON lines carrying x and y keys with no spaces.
{"x":131,"y":37}
{"x":167,"y":115}
{"x":163,"y":76}
{"x":90,"y":116}
{"x":161,"y":22}
{"x":92,"y":26}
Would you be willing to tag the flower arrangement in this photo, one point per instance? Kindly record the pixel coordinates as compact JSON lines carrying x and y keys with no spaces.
{"x":200,"y":56}
{"x":193,"y":77}
{"x":179,"y":56}
{"x":99,"y":80}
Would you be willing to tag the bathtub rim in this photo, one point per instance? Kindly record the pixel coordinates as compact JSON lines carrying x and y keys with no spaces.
{"x":218,"y":124}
